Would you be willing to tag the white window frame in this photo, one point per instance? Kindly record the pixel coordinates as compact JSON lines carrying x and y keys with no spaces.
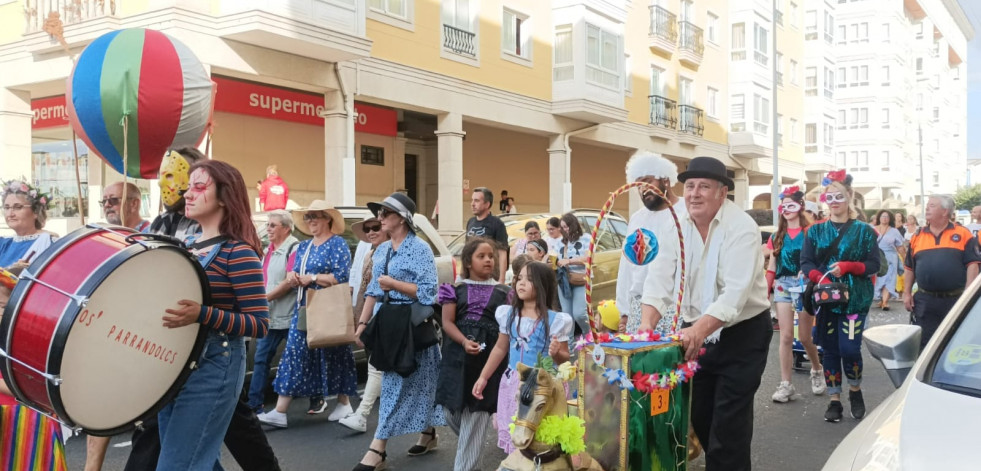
{"x":737,"y":113}
{"x":761,"y":35}
{"x":793,"y":131}
{"x":885,"y":161}
{"x":761,"y":115}
{"x":525,"y":35}
{"x":628,"y":82}
{"x":810,"y":138}
{"x":885,"y":118}
{"x":793,"y":72}
{"x":686,"y":90}
{"x":885,"y":75}
{"x":829,"y":27}
{"x":794,"y":10}
{"x":739,"y":53}
{"x":842,"y":119}
{"x":810,"y":25}
{"x":809,"y":88}
{"x":885,"y":32}
{"x":404,"y":20}
{"x":712,"y":107}
{"x":473,"y":7}
{"x":657,"y":81}
{"x":712,"y":28}
{"x":615,"y":73}
{"x":568,"y":30}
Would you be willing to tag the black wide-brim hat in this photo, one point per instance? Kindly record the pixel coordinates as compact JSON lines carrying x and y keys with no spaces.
{"x":399,"y":203}
{"x":707,"y":167}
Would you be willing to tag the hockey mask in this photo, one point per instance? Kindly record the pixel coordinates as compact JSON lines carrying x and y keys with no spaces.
{"x":173,"y":178}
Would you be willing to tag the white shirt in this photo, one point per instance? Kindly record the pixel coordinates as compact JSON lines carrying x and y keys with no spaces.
{"x":630,"y":278}
{"x":740,"y":285}
{"x":554,"y":245}
{"x":357,"y":270}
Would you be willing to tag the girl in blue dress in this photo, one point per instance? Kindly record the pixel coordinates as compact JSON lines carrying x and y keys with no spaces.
{"x":320,"y":262}
{"x":529,"y":328}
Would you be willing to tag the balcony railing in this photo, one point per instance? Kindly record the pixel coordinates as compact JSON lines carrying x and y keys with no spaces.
{"x":691,"y":38}
{"x":778,"y":16}
{"x":69,"y":11}
{"x":663,"y":24}
{"x":459,"y":41}
{"x":663,"y":111}
{"x":691,"y":120}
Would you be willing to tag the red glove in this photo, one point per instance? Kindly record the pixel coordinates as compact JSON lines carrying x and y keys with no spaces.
{"x":815,"y":276}
{"x":855,"y":268}
{"x":770,"y":277}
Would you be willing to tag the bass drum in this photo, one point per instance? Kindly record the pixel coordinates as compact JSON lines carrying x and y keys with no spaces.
{"x":83,"y":332}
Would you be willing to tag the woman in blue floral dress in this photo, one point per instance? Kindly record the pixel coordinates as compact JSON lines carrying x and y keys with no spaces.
{"x":321,"y":262}
{"x":405,"y":269}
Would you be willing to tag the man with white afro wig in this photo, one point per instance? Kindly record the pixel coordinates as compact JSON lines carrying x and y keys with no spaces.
{"x":651,"y":168}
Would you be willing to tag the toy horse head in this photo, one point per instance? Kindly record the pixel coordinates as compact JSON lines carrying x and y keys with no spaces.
{"x":539,"y":395}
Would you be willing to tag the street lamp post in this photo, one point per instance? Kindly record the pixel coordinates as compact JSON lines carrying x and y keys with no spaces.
{"x":775,"y":190}
{"x":919,"y":129}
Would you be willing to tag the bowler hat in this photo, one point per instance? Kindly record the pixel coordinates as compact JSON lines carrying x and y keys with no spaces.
{"x":707,"y":167}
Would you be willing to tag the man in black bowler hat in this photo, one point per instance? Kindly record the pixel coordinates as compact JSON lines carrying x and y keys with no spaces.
{"x":725,"y":311}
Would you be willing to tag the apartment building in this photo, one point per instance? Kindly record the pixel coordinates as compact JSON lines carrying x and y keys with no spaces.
{"x":763,"y":39}
{"x":435,"y":97}
{"x":900,"y":83}
{"x":819,"y":90}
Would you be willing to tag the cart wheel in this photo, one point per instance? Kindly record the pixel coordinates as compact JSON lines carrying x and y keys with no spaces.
{"x":798,"y":361}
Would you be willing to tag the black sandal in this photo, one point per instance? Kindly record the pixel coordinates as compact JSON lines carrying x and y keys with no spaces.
{"x":419,"y":450}
{"x":378,"y":467}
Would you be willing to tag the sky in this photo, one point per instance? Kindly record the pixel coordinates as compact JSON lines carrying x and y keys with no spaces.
{"x":973,"y":10}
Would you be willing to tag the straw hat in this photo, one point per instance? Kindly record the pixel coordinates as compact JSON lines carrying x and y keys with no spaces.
{"x":337,"y":219}
{"x":358,"y":228}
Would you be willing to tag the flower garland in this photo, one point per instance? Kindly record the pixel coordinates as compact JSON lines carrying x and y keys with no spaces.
{"x":643,"y":382}
{"x":22,"y":187}
{"x":567,"y":432}
{"x":606,"y":337}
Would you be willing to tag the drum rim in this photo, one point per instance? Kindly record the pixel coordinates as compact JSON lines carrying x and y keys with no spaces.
{"x":12,"y":310}
{"x":95,"y":279}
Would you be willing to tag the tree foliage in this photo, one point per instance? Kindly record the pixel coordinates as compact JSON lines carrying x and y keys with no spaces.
{"x":968,"y":197}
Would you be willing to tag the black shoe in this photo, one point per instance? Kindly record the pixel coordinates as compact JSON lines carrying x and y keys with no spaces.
{"x":317,"y":405}
{"x":833,"y":414}
{"x":857,"y":403}
{"x":377,"y":467}
{"x":419,"y":450}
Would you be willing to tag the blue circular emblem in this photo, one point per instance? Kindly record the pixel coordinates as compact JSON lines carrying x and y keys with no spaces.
{"x":640,"y":247}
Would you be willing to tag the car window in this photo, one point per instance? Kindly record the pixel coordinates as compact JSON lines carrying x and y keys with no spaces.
{"x":422,"y":235}
{"x":620,"y":228}
{"x":606,"y":239}
{"x":456,"y":245}
{"x":958,"y":368}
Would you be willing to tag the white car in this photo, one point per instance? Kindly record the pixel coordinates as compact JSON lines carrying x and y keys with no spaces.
{"x":932,"y":421}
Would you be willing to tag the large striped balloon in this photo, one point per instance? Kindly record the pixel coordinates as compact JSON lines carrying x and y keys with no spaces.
{"x":149,"y":80}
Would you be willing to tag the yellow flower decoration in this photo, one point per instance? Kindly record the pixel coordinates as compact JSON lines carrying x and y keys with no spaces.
{"x":567,"y":371}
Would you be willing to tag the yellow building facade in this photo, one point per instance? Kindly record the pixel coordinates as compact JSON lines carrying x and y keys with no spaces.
{"x":546,"y":100}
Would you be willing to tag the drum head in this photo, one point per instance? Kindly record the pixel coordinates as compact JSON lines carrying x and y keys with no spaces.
{"x":119,"y":361}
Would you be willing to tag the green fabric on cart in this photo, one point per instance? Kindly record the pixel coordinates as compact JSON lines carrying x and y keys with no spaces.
{"x":660,"y":442}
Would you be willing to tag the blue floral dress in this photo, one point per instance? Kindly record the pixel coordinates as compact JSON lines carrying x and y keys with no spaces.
{"x":323,"y":371}
{"x":408,"y":405}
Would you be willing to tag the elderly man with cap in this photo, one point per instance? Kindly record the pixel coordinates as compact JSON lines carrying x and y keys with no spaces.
{"x":725,"y":311}
{"x":942,"y":259}
{"x":655,"y":216}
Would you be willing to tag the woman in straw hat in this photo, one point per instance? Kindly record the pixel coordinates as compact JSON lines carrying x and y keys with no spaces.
{"x":320,"y":262}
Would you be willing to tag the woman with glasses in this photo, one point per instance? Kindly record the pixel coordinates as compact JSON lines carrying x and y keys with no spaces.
{"x":782,"y":276}
{"x":25,"y":209}
{"x":320,"y":262}
{"x":532,"y":232}
{"x":572,"y":271}
{"x":403,"y":272}
{"x":842,"y":250}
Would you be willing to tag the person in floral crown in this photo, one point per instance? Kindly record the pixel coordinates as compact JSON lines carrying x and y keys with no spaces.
{"x":842,"y":250}
{"x":25,"y":210}
{"x":782,"y":275}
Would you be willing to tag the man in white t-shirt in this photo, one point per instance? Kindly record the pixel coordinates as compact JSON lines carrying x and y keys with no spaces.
{"x":654,"y":216}
{"x":975,"y":224}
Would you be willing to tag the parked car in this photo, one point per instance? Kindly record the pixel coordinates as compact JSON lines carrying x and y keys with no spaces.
{"x":445,"y":267}
{"x":930,"y":421}
{"x":606,"y":260}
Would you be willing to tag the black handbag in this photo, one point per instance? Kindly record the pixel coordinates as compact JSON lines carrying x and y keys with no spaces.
{"x":827,"y":294}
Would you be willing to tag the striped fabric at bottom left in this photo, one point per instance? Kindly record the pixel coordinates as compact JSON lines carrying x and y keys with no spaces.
{"x":29,"y":441}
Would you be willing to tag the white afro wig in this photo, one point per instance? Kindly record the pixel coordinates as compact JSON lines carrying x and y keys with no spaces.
{"x":649,"y":164}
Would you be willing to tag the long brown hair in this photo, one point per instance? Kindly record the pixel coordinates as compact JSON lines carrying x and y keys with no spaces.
{"x":230,"y":188}
{"x":805,"y":220}
{"x":542,"y":277}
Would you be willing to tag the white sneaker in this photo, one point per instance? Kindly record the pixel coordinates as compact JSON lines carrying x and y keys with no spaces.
{"x":356,"y":422}
{"x":340,"y":411}
{"x":817,"y":382}
{"x":785,"y":392}
{"x":274,"y":418}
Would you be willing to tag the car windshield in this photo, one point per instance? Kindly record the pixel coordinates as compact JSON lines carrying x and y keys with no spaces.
{"x":958,"y":368}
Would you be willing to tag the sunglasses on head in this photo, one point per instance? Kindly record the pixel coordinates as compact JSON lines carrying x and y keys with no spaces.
{"x":372,"y":228}
{"x":835,"y":198}
{"x":789,"y":207}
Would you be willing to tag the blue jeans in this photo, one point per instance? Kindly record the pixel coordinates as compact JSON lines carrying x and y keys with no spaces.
{"x":575,"y":306}
{"x":193,"y":425}
{"x":265,"y":350}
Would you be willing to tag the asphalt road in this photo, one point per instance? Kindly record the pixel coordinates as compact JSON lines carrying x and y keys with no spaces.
{"x":786,"y":436}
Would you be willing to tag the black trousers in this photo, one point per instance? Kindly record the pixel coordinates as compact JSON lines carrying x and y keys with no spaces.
{"x":928,"y":312}
{"x":723,"y":390}
{"x":244,"y":438}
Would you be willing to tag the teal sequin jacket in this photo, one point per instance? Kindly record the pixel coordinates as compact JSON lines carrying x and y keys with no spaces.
{"x":857,"y":245}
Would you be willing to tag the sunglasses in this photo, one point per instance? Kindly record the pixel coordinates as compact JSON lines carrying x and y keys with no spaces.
{"x":835,"y":198}
{"x":312,"y":216}
{"x":372,"y":228}
{"x":789,"y":207}
{"x":111,"y":200}
{"x":273,"y":225}
{"x":384,"y":212}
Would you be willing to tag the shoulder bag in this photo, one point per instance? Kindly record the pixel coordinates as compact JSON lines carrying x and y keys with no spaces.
{"x":575,"y":278}
{"x":820,"y":294}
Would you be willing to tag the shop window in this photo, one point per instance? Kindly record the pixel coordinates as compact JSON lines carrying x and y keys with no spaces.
{"x":53,"y":169}
{"x":371,"y":155}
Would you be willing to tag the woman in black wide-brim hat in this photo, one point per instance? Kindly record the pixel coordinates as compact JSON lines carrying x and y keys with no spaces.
{"x":404,"y":268}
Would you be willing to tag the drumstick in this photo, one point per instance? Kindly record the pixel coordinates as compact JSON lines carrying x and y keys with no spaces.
{"x":29,"y":255}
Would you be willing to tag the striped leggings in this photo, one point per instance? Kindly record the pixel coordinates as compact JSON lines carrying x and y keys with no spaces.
{"x":470,"y":427}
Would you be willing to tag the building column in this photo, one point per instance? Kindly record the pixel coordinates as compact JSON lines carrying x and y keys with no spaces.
{"x":559,"y":185}
{"x":339,"y":163}
{"x":398,"y":166}
{"x":741,"y":193}
{"x":15,"y":134}
{"x":450,"y":134}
